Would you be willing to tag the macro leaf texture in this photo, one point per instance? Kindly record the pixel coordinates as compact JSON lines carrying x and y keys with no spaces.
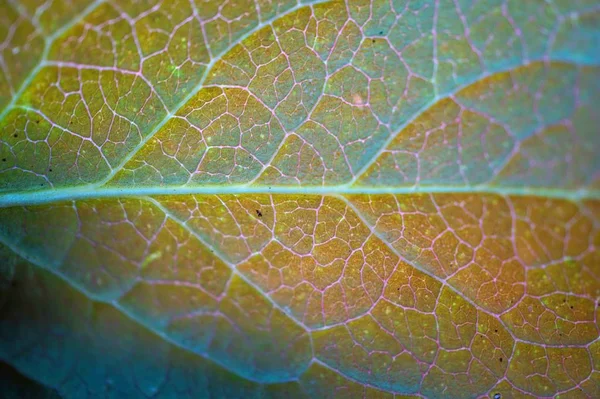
{"x":300,"y":199}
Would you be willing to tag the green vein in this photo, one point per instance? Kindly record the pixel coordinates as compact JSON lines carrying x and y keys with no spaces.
{"x":200,"y":85}
{"x":444,"y":282}
{"x":221,"y":256}
{"x":128,"y":313}
{"x":83,"y":193}
{"x":48,"y":42}
{"x":450,"y":94}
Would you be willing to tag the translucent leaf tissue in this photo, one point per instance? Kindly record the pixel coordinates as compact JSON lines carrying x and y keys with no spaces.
{"x":300,"y":199}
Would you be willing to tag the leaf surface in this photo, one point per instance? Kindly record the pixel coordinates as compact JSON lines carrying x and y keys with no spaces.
{"x":315,"y":199}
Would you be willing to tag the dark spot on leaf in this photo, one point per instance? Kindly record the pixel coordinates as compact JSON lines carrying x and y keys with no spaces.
{"x":258,"y":213}
{"x":373,"y":40}
{"x":500,"y":360}
{"x":381,"y":32}
{"x":15,"y":135}
{"x":37,"y":122}
{"x":571,"y":307}
{"x":3,"y":159}
{"x":495,"y":330}
{"x":49,"y":170}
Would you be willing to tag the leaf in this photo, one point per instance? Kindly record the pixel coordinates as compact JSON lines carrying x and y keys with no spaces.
{"x":316,"y":199}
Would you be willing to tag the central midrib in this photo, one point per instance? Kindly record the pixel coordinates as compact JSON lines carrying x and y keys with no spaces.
{"x":89,"y":192}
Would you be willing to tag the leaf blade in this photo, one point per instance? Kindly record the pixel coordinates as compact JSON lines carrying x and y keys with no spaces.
{"x":323,"y":199}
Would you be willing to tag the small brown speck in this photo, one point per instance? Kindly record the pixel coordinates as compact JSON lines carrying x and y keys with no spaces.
{"x":258,"y":213}
{"x":500,"y":360}
{"x":3,"y":159}
{"x":15,"y":135}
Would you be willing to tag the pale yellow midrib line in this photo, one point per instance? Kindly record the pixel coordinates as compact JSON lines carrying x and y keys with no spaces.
{"x":90,"y":193}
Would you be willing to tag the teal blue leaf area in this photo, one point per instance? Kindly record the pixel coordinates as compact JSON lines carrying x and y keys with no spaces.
{"x":17,"y":386}
{"x":59,"y":337}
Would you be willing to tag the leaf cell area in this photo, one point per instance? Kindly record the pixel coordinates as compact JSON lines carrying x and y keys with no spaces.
{"x":300,"y":199}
